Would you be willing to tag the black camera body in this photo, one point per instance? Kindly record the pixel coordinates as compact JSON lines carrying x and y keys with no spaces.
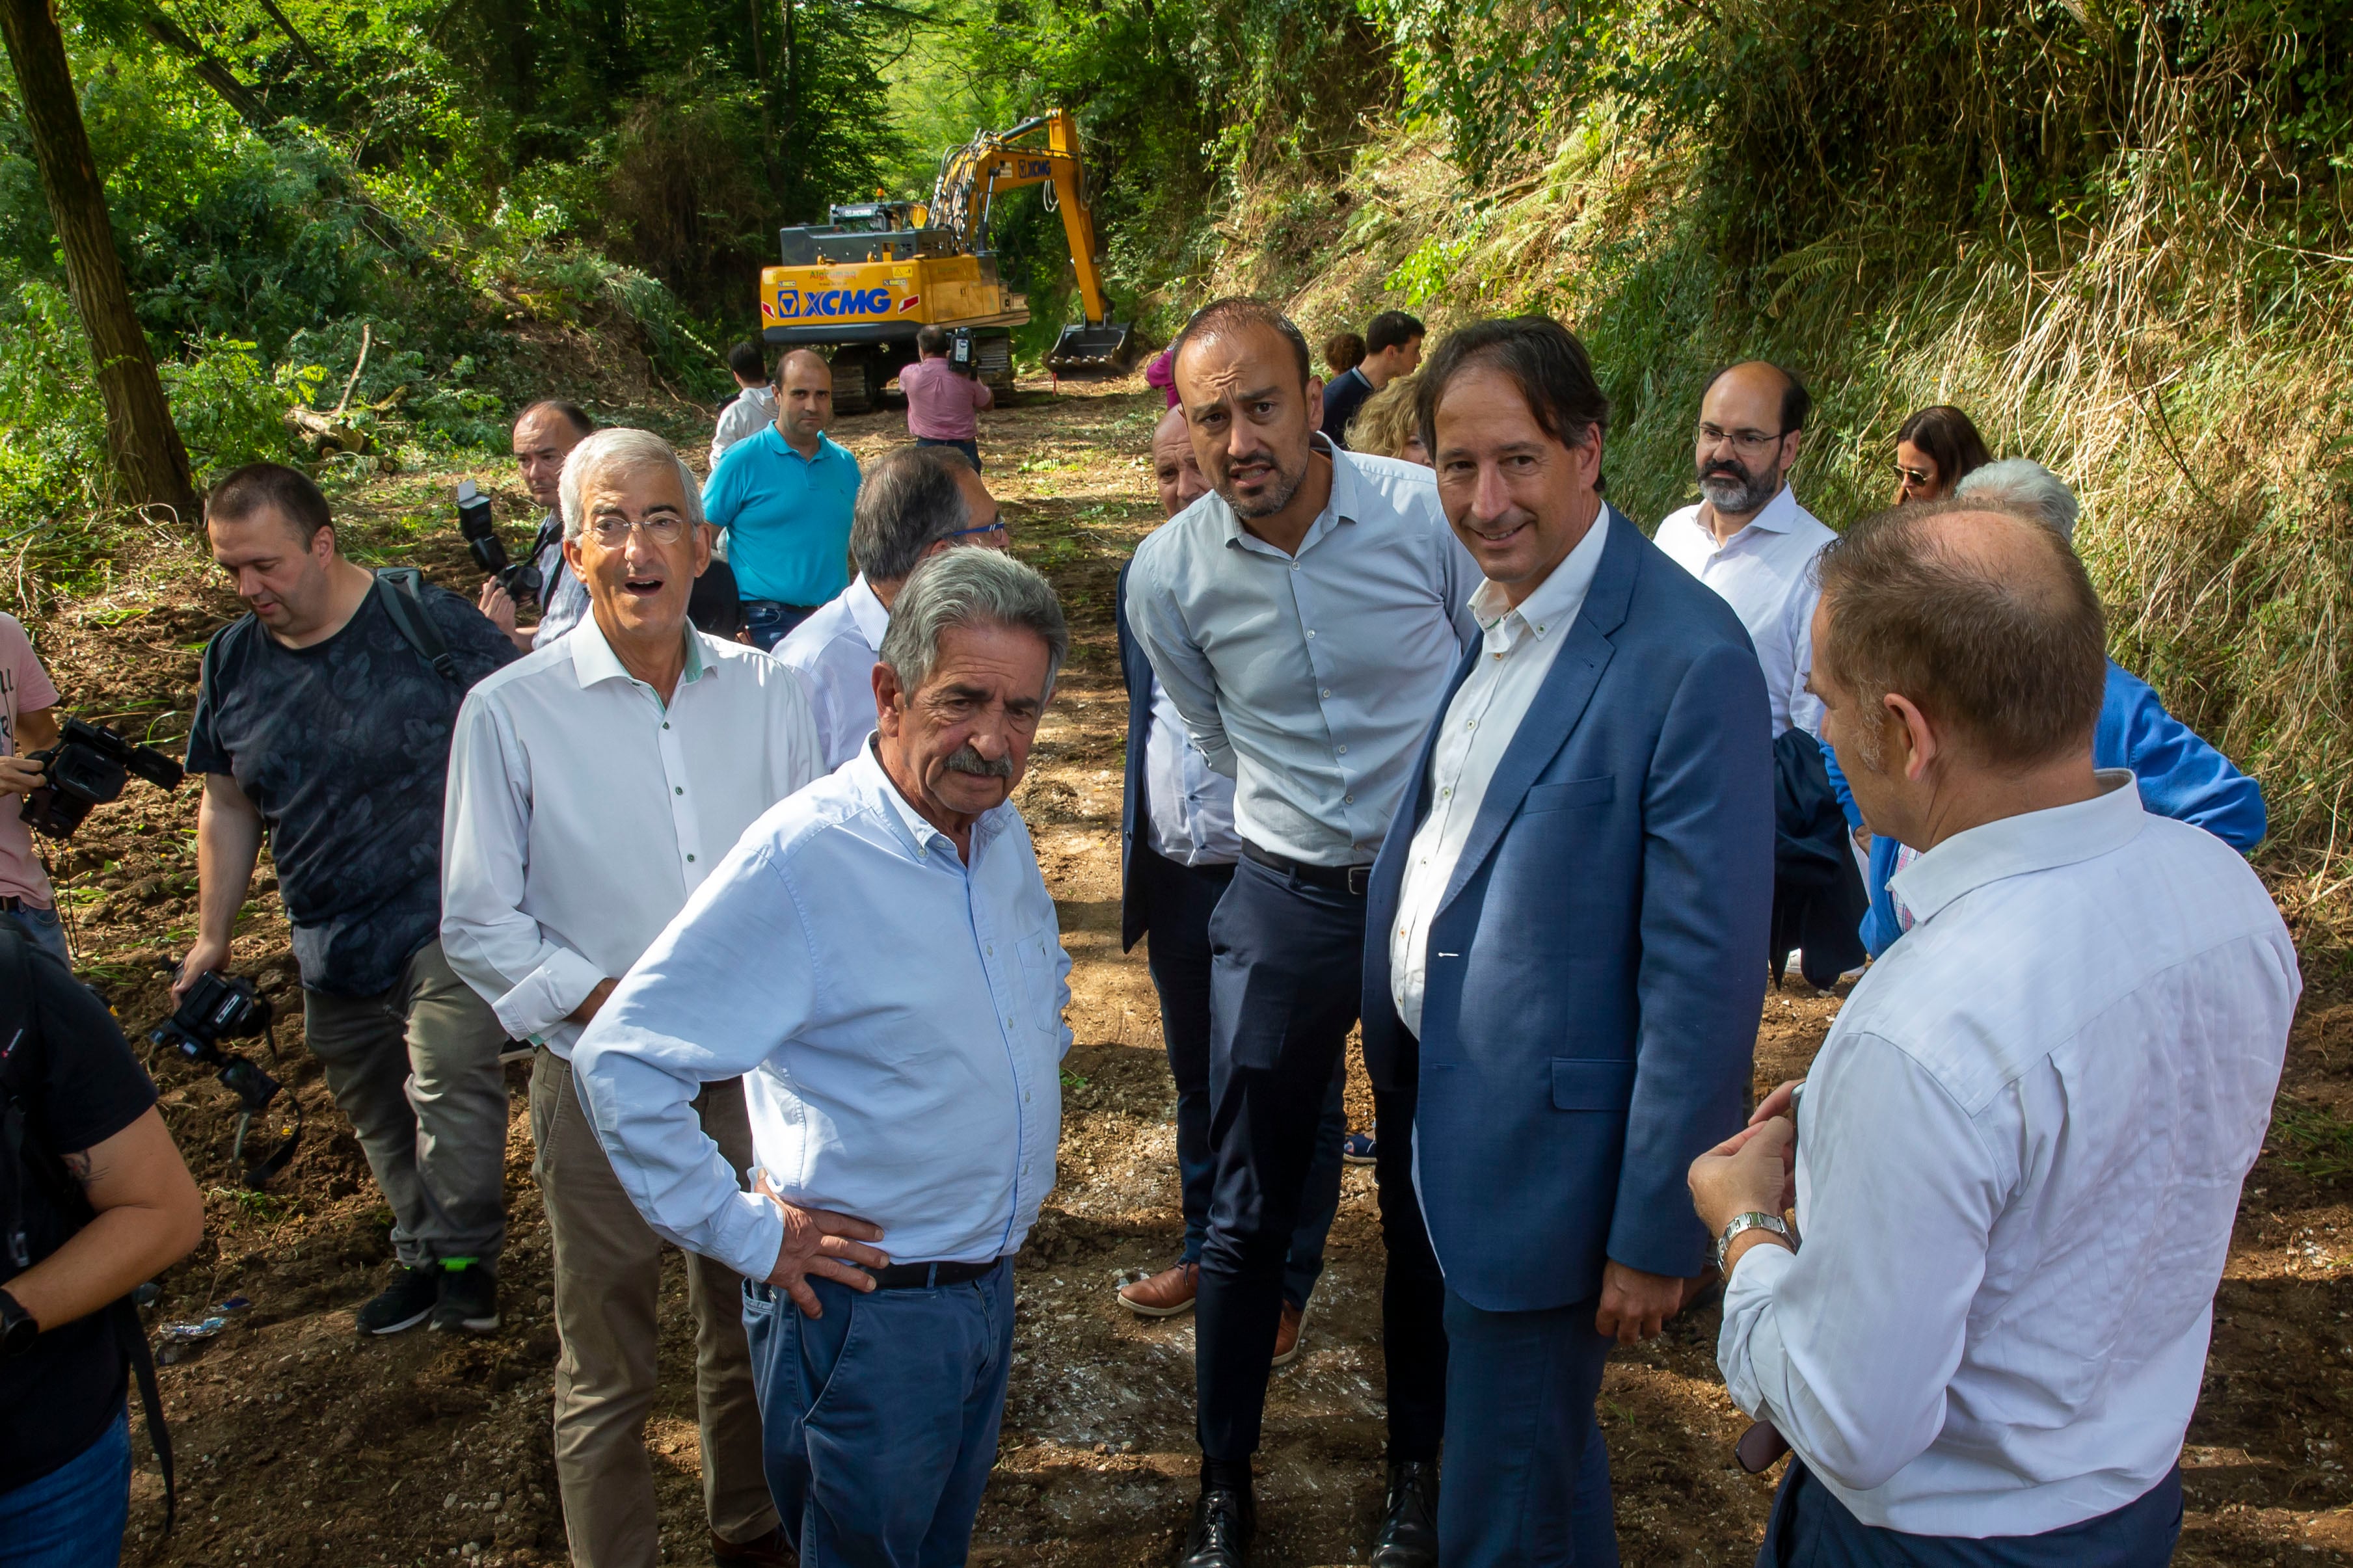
{"x":963,"y":353}
{"x":222,"y":1007}
{"x":520,"y":579}
{"x":88,"y":766}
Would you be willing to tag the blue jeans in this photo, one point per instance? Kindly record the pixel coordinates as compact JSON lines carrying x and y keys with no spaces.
{"x":42,"y":926}
{"x":72,"y":1517}
{"x":770,"y":622}
{"x":879,"y":1420}
{"x":970,"y":448}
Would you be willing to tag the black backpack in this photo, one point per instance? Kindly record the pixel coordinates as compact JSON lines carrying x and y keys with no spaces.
{"x":34,"y":1182}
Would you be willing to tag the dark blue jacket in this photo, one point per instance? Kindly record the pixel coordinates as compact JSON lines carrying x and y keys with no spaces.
{"x":1595,"y":969}
{"x":2180,"y":777}
{"x":1135,"y":672}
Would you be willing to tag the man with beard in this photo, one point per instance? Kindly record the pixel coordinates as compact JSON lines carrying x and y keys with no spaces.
{"x":1304,"y":618}
{"x":1748,"y":539}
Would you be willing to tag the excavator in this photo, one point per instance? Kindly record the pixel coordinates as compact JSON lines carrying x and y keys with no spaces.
{"x":860,"y":284}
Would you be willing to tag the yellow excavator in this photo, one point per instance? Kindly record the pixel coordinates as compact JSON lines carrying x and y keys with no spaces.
{"x":859,"y":285}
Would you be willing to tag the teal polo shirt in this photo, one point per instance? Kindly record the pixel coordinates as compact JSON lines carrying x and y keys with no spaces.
{"x":786,"y":516}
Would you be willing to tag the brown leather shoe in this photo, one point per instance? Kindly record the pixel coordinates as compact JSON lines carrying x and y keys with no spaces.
{"x":769,"y":1551}
{"x":1164,"y":1294}
{"x":1287,"y":1334}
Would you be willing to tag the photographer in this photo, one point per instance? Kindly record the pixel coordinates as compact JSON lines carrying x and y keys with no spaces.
{"x":325,"y":718}
{"x":28,"y":724}
{"x":94,"y":1197}
{"x":544,"y":434}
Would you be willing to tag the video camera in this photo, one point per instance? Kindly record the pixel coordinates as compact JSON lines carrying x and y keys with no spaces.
{"x":88,"y":766}
{"x":520,"y":579}
{"x":230,"y":1008}
{"x":961,"y":352}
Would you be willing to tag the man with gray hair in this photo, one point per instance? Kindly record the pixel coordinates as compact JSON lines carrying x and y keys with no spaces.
{"x":2024,"y":486}
{"x":593,"y":787}
{"x":918,"y":501}
{"x":878,"y":957}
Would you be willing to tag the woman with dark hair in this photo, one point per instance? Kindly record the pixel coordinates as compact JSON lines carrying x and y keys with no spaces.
{"x":1933,"y":450}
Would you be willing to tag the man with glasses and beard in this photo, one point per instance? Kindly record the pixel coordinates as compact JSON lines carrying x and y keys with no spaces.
{"x":1748,"y":539}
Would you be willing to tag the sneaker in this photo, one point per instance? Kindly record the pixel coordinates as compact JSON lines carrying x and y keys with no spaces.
{"x":1164,"y":1294}
{"x":1287,"y":1333}
{"x":407,"y":1302}
{"x":1356,"y":1149}
{"x":470,"y":1297}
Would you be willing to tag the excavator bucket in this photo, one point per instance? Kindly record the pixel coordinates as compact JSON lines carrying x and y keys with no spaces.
{"x":1084,"y":351}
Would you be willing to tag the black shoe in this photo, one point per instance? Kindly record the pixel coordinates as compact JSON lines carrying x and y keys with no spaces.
{"x":407,"y":1302}
{"x":1408,"y":1533}
{"x":470,"y":1300}
{"x":1223,"y":1523}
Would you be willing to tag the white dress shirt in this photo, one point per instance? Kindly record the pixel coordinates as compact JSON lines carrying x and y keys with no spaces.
{"x":835,"y":650}
{"x":756,"y":407}
{"x":582,"y":811}
{"x":1517,"y":647}
{"x":1764,"y":572}
{"x":2019,"y":1161}
{"x":896,"y":1016}
{"x":1310,"y":678}
{"x":1189,"y":805}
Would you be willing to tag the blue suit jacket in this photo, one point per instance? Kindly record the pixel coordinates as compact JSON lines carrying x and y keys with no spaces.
{"x":1135,"y":673}
{"x":2180,"y":777}
{"x":1595,"y":971}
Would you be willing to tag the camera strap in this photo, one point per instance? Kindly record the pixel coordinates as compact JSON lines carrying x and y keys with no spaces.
{"x":404,"y":600}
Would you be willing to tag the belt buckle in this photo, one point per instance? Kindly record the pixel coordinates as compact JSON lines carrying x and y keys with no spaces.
{"x":1360,"y":880}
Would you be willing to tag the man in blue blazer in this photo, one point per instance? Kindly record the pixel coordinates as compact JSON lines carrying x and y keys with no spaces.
{"x":1563,"y":939}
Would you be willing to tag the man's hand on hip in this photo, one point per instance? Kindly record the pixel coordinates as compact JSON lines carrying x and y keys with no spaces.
{"x":1636,"y":1306}
{"x":829,"y":1245}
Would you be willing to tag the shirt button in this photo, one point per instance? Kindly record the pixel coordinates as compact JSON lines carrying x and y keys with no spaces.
{"x":1344,"y":751}
{"x":1294,"y":566}
{"x":1446,"y":794}
{"x":679,"y":789}
{"x":1311,"y":634}
{"x":1327,"y":691}
{"x":690,"y":859}
{"x":1347,"y":800}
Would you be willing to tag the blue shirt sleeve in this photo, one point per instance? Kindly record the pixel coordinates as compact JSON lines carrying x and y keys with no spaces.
{"x":722,"y":498}
{"x":2181,"y":775}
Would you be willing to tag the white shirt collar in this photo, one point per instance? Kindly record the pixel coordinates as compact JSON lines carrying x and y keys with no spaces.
{"x":593,"y":659}
{"x":866,"y":610}
{"x":922,"y":832}
{"x":1559,"y":597}
{"x":2014,"y":846}
{"x":1778,"y":515}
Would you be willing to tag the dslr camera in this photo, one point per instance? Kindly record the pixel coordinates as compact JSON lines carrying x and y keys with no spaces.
{"x":230,"y":1008}
{"x":88,"y":766}
{"x":520,"y":579}
{"x":964,"y":354}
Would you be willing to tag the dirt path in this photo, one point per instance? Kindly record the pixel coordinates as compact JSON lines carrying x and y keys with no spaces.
{"x":299,"y":1444}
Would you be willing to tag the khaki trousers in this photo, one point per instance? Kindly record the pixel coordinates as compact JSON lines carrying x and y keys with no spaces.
{"x":608,"y":1270}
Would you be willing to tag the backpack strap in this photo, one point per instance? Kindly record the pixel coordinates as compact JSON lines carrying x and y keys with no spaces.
{"x":402,"y":589}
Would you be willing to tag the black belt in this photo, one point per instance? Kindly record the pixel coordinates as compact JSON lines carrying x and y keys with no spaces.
{"x":930,"y":1276}
{"x":12,"y":904}
{"x":1351,"y":880}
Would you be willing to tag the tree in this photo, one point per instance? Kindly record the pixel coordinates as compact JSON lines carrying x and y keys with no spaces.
{"x":148,"y":456}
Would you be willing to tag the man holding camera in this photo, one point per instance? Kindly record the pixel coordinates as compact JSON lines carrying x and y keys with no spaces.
{"x":593,"y":787}
{"x":324,"y":720}
{"x":544,"y":434}
{"x":944,"y":398}
{"x":28,"y":724}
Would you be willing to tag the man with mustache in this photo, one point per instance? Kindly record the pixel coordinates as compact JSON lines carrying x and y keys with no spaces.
{"x":878,"y":957}
{"x":593,"y":787}
{"x":1303,"y":617}
{"x":1748,"y":539}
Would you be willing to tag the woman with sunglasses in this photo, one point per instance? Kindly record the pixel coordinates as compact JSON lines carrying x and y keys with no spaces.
{"x":1933,"y":450}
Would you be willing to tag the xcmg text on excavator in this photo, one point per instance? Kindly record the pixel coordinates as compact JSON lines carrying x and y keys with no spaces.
{"x":861,"y":284}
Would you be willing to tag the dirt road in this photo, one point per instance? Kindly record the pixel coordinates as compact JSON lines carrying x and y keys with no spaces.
{"x":299,"y":1444}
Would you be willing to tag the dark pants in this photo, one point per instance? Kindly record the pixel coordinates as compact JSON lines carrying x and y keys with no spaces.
{"x":879,"y":1420}
{"x":769,"y":623}
{"x":1812,"y":1529}
{"x":971,"y":449}
{"x":1527,"y":1475}
{"x":1286,"y":977}
{"x":1181,"y":899}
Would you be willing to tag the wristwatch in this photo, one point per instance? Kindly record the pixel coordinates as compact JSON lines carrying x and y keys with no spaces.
{"x":18,"y":1328}
{"x":1750,"y":1221}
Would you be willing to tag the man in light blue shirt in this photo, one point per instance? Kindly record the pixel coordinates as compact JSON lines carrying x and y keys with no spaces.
{"x":785,"y":498}
{"x":878,"y":957}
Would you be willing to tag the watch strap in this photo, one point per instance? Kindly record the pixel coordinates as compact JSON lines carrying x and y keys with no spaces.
{"x":1753,"y":1220}
{"x":17,"y":1328}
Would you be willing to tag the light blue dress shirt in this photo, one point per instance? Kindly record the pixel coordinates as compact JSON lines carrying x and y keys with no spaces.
{"x":1310,"y":678}
{"x":896,"y":1016}
{"x":787,"y":517}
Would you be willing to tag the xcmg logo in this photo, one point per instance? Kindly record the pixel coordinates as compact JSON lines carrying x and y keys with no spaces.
{"x":792,"y":303}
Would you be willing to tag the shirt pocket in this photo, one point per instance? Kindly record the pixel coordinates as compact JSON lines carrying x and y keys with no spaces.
{"x":1568,"y":793}
{"x":1038,"y":978}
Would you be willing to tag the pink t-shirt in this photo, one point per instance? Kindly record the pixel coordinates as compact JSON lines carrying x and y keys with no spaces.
{"x":24,"y":687}
{"x":941,"y":404}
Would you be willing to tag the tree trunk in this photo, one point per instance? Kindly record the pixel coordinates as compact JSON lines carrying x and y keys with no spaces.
{"x":148,"y":455}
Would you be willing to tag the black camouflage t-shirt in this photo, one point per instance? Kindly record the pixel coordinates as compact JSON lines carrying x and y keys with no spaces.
{"x":345,"y":748}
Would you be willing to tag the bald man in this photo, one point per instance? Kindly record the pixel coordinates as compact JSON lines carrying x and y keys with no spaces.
{"x":2016,"y":1197}
{"x":1748,"y":539}
{"x":1177,"y":849}
{"x":784,"y":499}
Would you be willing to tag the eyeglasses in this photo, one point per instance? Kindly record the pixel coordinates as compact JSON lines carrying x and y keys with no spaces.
{"x":1918,"y":479}
{"x":1742,"y":440}
{"x":665,"y":528}
{"x":997,"y":527}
